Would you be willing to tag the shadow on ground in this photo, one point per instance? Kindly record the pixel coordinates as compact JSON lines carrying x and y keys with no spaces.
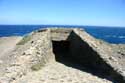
{"x":64,"y":55}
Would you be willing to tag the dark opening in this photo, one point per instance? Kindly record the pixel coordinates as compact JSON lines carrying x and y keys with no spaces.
{"x":61,"y":50}
{"x":76,"y":53}
{"x":61,"y":47}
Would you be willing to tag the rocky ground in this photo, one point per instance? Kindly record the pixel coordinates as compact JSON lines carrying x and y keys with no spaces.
{"x":120,"y":50}
{"x":7,"y":44}
{"x":59,"y":73}
{"x":54,"y":72}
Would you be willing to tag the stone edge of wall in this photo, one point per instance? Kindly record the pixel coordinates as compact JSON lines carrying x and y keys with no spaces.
{"x":102,"y":48}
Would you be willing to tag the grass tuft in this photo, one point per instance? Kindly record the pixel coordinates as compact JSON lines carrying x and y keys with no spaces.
{"x":24,"y":40}
{"x":37,"y":67}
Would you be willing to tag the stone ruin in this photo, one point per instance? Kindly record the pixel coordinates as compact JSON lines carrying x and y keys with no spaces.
{"x":57,"y":44}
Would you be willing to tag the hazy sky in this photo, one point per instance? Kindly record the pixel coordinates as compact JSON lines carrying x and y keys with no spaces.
{"x":69,"y":12}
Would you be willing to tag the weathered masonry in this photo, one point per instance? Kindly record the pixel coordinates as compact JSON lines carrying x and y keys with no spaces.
{"x":66,"y":45}
{"x":81,"y":48}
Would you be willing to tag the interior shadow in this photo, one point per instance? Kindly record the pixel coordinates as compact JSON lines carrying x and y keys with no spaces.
{"x":76,"y":53}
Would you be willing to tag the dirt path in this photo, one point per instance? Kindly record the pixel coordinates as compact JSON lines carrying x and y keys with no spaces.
{"x":7,"y":44}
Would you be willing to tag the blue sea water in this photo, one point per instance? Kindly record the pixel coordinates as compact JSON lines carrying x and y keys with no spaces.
{"x":110,"y":34}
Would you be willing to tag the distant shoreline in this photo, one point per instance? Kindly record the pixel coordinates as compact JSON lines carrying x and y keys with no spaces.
{"x":114,"y":35}
{"x":52,"y":25}
{"x":10,"y":36}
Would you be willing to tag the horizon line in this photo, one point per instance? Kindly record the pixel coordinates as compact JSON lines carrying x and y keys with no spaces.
{"x":65,"y":25}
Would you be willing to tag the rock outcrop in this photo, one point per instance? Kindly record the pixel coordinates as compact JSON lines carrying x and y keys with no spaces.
{"x":41,"y":47}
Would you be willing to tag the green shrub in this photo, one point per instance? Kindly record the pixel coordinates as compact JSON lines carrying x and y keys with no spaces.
{"x":24,"y":40}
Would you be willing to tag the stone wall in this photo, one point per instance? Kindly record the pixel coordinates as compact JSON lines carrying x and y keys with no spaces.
{"x":87,"y":55}
{"x":31,"y":56}
{"x":58,"y":34}
{"x":37,"y":51}
{"x":90,"y":52}
{"x":104,"y":50}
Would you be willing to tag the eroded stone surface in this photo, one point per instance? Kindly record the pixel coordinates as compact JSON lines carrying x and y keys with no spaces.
{"x":36,"y":52}
{"x":60,"y":73}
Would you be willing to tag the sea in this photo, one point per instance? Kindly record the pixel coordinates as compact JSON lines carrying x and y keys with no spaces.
{"x":115,"y":35}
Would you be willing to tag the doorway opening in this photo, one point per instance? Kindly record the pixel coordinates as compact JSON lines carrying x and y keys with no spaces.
{"x":61,"y":49}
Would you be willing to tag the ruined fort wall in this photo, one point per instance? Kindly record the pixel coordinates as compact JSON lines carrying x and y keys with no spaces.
{"x":31,"y":55}
{"x":37,"y":51}
{"x":97,"y":53}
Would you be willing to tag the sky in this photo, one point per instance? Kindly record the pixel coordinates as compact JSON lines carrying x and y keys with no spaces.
{"x":63,"y":12}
